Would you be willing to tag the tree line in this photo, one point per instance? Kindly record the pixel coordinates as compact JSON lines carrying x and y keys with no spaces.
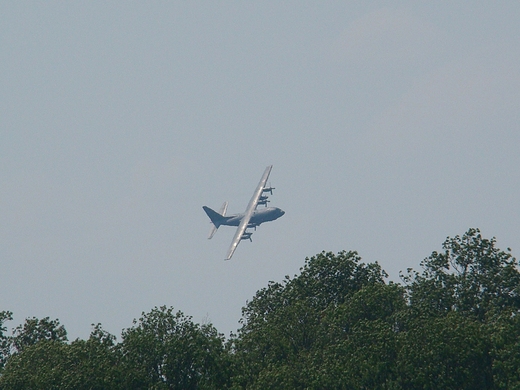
{"x":336,"y":325}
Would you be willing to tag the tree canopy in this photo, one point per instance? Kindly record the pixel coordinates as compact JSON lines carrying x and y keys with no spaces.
{"x":338,"y":324}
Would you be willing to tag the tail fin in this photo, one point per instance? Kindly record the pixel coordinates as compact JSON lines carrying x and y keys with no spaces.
{"x":216,"y":218}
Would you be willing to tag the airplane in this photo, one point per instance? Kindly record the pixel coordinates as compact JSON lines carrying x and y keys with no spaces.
{"x":251,"y":218}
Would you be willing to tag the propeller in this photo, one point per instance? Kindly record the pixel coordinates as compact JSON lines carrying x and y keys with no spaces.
{"x":269,"y":189}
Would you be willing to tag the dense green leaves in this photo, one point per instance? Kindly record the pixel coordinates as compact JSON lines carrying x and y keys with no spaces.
{"x":337,"y":325}
{"x":449,"y":352}
{"x":166,"y":350}
{"x":361,"y":348}
{"x":40,"y":366}
{"x":462,"y":330}
{"x":287,"y":326}
{"x":4,"y":339}
{"x":505,"y":351}
{"x":35,"y":330}
{"x":54,"y":364}
{"x":471,"y":276}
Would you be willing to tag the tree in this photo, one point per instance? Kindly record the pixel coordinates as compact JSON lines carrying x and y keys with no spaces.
{"x":445,"y":352}
{"x":455,"y":325}
{"x":54,"y":364}
{"x":35,"y":330}
{"x":361,"y":344}
{"x":505,"y":351}
{"x":166,"y":350}
{"x":4,"y":340}
{"x":287,"y":325}
{"x":471,"y":276}
{"x":93,"y":364}
{"x":38,"y":366}
{"x":43,"y":339}
{"x":464,"y":310}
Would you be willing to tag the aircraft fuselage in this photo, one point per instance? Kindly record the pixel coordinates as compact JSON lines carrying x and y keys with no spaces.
{"x":258,"y":217}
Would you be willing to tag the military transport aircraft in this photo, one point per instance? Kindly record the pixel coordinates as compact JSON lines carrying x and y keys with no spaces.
{"x":251,"y":218}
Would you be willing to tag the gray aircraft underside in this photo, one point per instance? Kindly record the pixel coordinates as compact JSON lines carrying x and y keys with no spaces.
{"x":251,"y":218}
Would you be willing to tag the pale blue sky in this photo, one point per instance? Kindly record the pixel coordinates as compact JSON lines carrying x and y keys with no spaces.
{"x":390,"y":125}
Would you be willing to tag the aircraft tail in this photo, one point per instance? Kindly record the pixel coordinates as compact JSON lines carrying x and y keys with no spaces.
{"x":216,"y":218}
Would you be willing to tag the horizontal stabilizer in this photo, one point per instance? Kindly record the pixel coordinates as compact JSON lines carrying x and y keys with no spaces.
{"x":216,"y":218}
{"x":212,"y":231}
{"x":223,"y":209}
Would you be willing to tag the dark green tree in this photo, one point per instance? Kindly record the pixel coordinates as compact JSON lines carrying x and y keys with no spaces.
{"x":338,"y":325}
{"x":43,"y":339}
{"x":166,"y":350}
{"x":287,"y":326}
{"x":505,"y":340}
{"x":463,"y":310}
{"x":94,"y":363}
{"x":471,"y":276}
{"x":360,"y":348}
{"x":35,"y":330}
{"x":54,"y":364}
{"x":4,"y":339}
{"x":38,"y":366}
{"x":445,"y":352}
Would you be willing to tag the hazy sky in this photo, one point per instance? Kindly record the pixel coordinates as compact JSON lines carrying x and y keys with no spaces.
{"x":390,"y":125}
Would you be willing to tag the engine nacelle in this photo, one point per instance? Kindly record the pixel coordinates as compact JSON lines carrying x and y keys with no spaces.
{"x":263,"y":200}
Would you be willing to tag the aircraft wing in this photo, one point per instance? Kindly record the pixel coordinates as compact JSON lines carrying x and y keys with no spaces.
{"x":249,"y":211}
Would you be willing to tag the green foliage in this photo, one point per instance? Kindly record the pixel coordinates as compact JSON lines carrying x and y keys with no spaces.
{"x":471,"y":276}
{"x":94,"y":363}
{"x":166,"y":350}
{"x":163,"y":350}
{"x":30,"y":334}
{"x":336,"y":325}
{"x":462,"y":329}
{"x":505,"y":351}
{"x":287,"y":325}
{"x":362,"y":339}
{"x":37,"y":367}
{"x":54,"y":364}
{"x":448,"y":352}
{"x":4,"y":340}
{"x":35,"y":330}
